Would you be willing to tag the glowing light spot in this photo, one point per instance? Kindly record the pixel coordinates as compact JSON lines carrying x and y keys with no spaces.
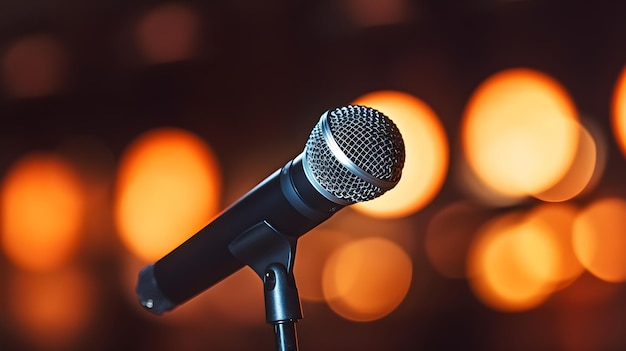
{"x":168,"y":33}
{"x":512,"y":264}
{"x":478,"y":190}
{"x":520,"y":132}
{"x":558,"y":220}
{"x":34,"y":66}
{"x":42,"y":212}
{"x":579,"y":174}
{"x":52,"y":310}
{"x":367,"y":279}
{"x":449,"y":235}
{"x":314,"y":249}
{"x":600,"y":239}
{"x":168,"y":188}
{"x":601,"y":142}
{"x":618,"y":111}
{"x":427,"y":154}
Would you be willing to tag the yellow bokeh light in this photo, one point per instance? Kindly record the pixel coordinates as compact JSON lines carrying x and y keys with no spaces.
{"x":579,"y":173}
{"x":520,"y":132}
{"x":618,"y":111}
{"x":367,"y":279}
{"x":513,"y":263}
{"x":42,"y":212}
{"x":427,"y":154}
{"x":600,"y":239}
{"x":168,"y":188}
{"x":557,"y":219}
{"x":479,"y":191}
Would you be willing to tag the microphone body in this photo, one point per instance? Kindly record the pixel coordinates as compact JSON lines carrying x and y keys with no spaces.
{"x":353,"y":154}
{"x":286,"y":200}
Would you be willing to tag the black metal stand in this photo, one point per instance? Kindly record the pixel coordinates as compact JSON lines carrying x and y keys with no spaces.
{"x":271,"y":255}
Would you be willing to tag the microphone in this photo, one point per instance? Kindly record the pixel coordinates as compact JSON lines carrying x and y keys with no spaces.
{"x":353,"y":154}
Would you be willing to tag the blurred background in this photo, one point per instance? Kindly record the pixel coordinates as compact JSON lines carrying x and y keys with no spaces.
{"x":127,"y":126}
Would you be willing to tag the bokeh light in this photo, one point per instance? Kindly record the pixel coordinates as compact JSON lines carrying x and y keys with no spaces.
{"x":599,"y":239}
{"x":52,"y":310}
{"x":476,"y":190}
{"x":427,"y":154}
{"x":168,"y":33}
{"x":513,"y":263}
{"x":598,"y":134}
{"x":579,"y":174}
{"x":557,"y":221}
{"x":42,"y":209}
{"x":357,"y":225}
{"x":314,"y":249}
{"x":449,"y":235}
{"x":618,"y":111}
{"x":34,"y":66}
{"x":520,"y":132}
{"x":168,"y":187}
{"x":367,"y":279}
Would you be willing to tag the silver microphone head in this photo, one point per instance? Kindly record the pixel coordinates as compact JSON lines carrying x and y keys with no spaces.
{"x":354,"y":154}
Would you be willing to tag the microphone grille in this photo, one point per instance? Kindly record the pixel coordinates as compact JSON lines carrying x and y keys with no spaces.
{"x":355,"y":153}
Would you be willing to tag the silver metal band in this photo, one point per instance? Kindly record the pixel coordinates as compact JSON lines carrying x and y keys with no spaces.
{"x":311,"y":177}
{"x":345,"y":161}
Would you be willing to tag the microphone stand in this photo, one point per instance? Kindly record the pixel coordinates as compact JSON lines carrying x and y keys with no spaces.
{"x":271,"y":255}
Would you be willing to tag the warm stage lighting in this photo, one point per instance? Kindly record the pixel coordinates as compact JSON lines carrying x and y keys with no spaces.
{"x":618,"y":111}
{"x":427,"y":154}
{"x":42,"y":208}
{"x":520,"y":132}
{"x":557,"y":222}
{"x":579,"y":174}
{"x":168,"y":188}
{"x":367,"y":279}
{"x":314,"y":249}
{"x":599,"y":239}
{"x":513,"y":263}
{"x":477,"y":190}
{"x":449,"y":235}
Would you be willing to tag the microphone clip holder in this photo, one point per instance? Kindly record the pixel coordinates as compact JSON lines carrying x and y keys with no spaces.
{"x":271,"y":255}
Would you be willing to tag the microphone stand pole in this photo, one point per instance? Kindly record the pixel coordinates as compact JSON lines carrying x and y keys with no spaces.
{"x":271,"y":255}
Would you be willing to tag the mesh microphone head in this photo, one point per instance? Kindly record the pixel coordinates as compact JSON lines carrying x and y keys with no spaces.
{"x":354,"y":154}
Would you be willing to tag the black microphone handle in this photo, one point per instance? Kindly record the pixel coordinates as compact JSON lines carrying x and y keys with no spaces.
{"x":286,"y":200}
